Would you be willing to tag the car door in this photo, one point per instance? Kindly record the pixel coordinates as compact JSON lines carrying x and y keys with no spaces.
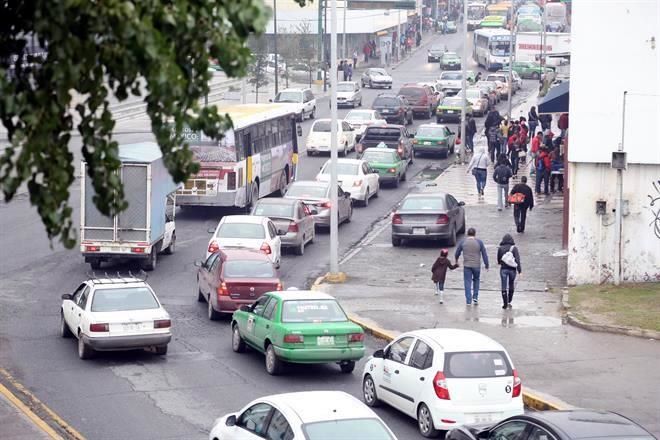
{"x":391,"y":388}
{"x":278,"y":427}
{"x":451,"y":138}
{"x":306,"y":220}
{"x":452,"y":211}
{"x":252,"y":423}
{"x":78,"y":315}
{"x":204,"y":280}
{"x":418,"y":374}
{"x":459,"y":218}
{"x":349,"y":133}
{"x":370,"y":176}
{"x":254,"y":316}
{"x":263,"y":326}
{"x":69,"y":305}
{"x":358,"y":94}
{"x":344,"y":202}
{"x":275,"y":242}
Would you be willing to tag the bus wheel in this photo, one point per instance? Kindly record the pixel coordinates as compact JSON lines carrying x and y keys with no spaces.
{"x":255,"y":194}
{"x":283,"y":185}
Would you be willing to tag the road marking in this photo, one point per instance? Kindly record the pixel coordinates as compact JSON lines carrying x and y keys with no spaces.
{"x":371,"y":236}
{"x":71,"y":433}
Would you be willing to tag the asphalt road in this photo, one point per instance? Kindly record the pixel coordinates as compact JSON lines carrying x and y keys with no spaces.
{"x":141,"y":396}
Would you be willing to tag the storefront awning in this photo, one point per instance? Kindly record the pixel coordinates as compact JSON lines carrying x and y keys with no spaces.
{"x":556,"y":101}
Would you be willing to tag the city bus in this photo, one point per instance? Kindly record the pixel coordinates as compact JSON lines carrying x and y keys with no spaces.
{"x":491,"y":48}
{"x":254,"y":159}
{"x":503,"y":9}
{"x":493,"y":22}
{"x":476,"y":13}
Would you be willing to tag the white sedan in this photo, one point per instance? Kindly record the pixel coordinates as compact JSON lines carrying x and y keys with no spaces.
{"x":359,"y":120}
{"x":113,"y":314}
{"x":247,"y":232}
{"x":354,"y":176}
{"x":310,"y":415}
{"x":318,"y":140}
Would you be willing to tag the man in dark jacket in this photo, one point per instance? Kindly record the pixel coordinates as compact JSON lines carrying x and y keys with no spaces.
{"x":501,"y":175}
{"x":492,"y":120}
{"x":520,"y":209}
{"x":508,"y":268}
{"x":470,"y":131}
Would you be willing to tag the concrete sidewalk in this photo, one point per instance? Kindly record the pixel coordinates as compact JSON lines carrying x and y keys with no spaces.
{"x":15,"y":424}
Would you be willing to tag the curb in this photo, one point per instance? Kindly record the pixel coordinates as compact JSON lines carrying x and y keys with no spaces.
{"x":636,"y":332}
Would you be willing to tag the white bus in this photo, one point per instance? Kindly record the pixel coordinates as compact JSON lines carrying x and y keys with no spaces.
{"x":476,"y":13}
{"x":491,"y":48}
{"x":254,"y":159}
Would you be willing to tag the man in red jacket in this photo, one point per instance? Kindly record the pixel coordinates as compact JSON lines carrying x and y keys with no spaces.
{"x":563,"y":124}
{"x":543,"y":168}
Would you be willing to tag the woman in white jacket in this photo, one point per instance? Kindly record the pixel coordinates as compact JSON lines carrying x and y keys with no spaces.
{"x":479,"y":167}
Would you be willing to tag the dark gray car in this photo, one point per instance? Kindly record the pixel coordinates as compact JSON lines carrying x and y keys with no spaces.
{"x":428,"y":216}
{"x":292,"y":218}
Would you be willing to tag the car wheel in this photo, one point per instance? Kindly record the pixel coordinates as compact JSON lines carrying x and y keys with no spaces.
{"x":273,"y":363}
{"x":311,"y":114}
{"x":371,"y":86}
{"x":396,"y":242}
{"x":536,"y":75}
{"x":395,"y":184}
{"x":200,"y":295}
{"x":452,"y":238}
{"x":369,"y":394}
{"x":425,"y":422}
{"x":161,"y":350}
{"x":347,"y":367}
{"x":150,"y":264}
{"x":404,"y":177}
{"x":300,"y":250}
{"x":377,"y":190}
{"x":172,"y":247}
{"x":350,"y":214}
{"x":84,"y":350}
{"x":210,"y":310}
{"x":283,"y":185}
{"x":365,"y":202}
{"x":360,"y":103}
{"x":237,"y":342}
{"x":95,"y":264}
{"x":65,"y":331}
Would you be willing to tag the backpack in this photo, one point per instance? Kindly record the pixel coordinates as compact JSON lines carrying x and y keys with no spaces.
{"x":509,"y":259}
{"x":516,"y":198}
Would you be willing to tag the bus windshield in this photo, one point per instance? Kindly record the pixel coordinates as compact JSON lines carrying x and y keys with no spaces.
{"x":499,"y":48}
{"x":476,"y":12}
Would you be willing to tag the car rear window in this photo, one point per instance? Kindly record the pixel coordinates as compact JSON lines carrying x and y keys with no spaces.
{"x":129,"y":298}
{"x":412,"y":91}
{"x":322,"y":127}
{"x":347,"y":169}
{"x":423,"y":204}
{"x":241,"y":230}
{"x":249,"y":269}
{"x":383,"y":132}
{"x":359,"y":115}
{"x":450,"y":76}
{"x":274,"y":209}
{"x":475,"y":364}
{"x":307,"y":191}
{"x":322,"y":310}
{"x":368,"y":429}
{"x":372,"y":155}
{"x":431,"y":131}
{"x":385,"y":102}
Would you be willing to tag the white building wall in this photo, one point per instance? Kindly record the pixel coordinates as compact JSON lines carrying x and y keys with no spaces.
{"x":614,"y":48}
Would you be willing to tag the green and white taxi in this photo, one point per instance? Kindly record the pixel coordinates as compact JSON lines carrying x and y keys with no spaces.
{"x":389,"y":165}
{"x":298,"y":326}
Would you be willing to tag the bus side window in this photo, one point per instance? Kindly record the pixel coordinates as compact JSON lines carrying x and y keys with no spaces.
{"x":240,"y":146}
{"x":247,"y":143}
{"x":276,"y":132}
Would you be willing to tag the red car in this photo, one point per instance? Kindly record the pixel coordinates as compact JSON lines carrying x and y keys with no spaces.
{"x":422,"y":98}
{"x":231,"y":278}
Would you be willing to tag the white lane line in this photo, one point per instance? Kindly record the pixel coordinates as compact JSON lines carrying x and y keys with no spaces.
{"x":366,"y":240}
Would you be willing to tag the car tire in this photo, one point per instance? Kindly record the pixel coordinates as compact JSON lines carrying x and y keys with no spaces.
{"x":95,"y":264}
{"x":451,"y":241}
{"x":172,"y":247}
{"x":371,"y":86}
{"x":350,"y":214}
{"x":237,"y":342}
{"x":200,"y":295}
{"x":395,"y":184}
{"x":84,"y":350}
{"x":283,"y":186}
{"x":300,"y":250}
{"x":404,"y":177}
{"x":273,"y":363}
{"x":212,"y":314}
{"x":365,"y":202}
{"x":396,"y":242}
{"x":151,"y":263}
{"x":425,"y":422}
{"x":160,"y":350}
{"x":369,"y":394}
{"x":536,"y":75}
{"x":65,"y":331}
{"x":347,"y":367}
{"x":311,"y":114}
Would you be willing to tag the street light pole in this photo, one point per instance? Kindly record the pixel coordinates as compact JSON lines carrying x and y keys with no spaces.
{"x":275,"y":43}
{"x":334,"y":211}
{"x":511,"y":48}
{"x":461,"y":148}
{"x":325,"y":31}
{"x":343,"y":43}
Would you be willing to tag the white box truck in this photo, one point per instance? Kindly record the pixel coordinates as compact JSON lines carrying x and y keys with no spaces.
{"x":146,"y":227}
{"x":528,"y":45}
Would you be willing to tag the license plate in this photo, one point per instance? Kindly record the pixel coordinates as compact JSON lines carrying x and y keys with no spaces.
{"x":427,"y":143}
{"x":325,"y":340}
{"x":419,"y":231}
{"x":482,"y":418}
{"x":450,"y":111}
{"x":131,"y":326}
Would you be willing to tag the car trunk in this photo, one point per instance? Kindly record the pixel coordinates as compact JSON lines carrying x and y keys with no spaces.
{"x":125,"y":323}
{"x":250,"y":288}
{"x":422,"y":217}
{"x":281,"y":223}
{"x":317,"y":335}
{"x":249,"y":243}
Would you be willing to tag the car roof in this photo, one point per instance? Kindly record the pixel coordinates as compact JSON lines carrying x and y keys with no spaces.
{"x":349,"y":161}
{"x":431,"y":125}
{"x":277,"y":201}
{"x":292,"y":90}
{"x":316,"y":406}
{"x":301,"y":295}
{"x":311,"y":183}
{"x":457,"y":340}
{"x":254,"y":219}
{"x":117,"y":282}
{"x":243,"y":254}
{"x":387,"y":95}
{"x":587,"y":423}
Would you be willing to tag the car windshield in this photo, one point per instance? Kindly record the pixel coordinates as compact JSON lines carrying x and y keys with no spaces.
{"x":473,"y":364}
{"x":312,"y":310}
{"x":436,"y":49}
{"x":450,"y":76}
{"x":307,"y":191}
{"x":383,"y":132}
{"x":248,"y":269}
{"x":289,"y":97}
{"x":374,"y":155}
{"x":274,"y":209}
{"x":343,"y":168}
{"x":414,"y":92}
{"x":450,"y":57}
{"x":501,"y":78}
{"x":128,"y":298}
{"x":430,"y":131}
{"x":385,"y":101}
{"x":378,"y":72}
{"x":359,"y":115}
{"x":452,"y":102}
{"x":345,"y":87}
{"x":369,"y":429}
{"x":471,"y":94}
{"x":241,"y":230}
{"x":423,"y":204}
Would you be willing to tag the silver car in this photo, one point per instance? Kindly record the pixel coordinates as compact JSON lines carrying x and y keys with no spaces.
{"x":292,"y":218}
{"x":376,"y":77}
{"x":428,"y":216}
{"x":316,"y":195}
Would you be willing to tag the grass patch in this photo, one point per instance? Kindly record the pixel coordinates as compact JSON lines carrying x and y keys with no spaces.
{"x":631,"y":305}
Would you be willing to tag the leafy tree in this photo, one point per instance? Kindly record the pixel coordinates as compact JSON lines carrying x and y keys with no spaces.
{"x":98,"y":49}
{"x":258,"y":76}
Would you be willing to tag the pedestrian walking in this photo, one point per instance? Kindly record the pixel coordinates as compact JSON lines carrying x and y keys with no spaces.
{"x":492,"y":120}
{"x":349,"y":72}
{"x":546,"y":121}
{"x":514,"y":151}
{"x":522,"y":199}
{"x":366,"y":50}
{"x":470,"y":131}
{"x":535,"y":150}
{"x":508,"y":257}
{"x":493,"y":143}
{"x":473,"y":251}
{"x":439,"y":273}
{"x":355,"y":58}
{"x":533,"y":120}
{"x":543,"y":168}
{"x":502,"y":175}
{"x":479,"y":168}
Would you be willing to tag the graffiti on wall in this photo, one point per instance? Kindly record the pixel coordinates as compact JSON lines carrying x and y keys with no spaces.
{"x":655,"y":210}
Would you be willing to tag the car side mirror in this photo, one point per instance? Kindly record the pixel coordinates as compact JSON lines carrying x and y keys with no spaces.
{"x":245,"y":308}
{"x":67,"y":296}
{"x":299,"y":130}
{"x":270,"y":100}
{"x":461,"y":203}
{"x":347,"y":194}
{"x":198,"y":263}
{"x":210,"y":230}
{"x":379,"y":354}
{"x":281,"y":232}
{"x":231,"y":420}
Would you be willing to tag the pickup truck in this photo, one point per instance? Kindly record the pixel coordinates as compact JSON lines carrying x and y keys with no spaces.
{"x":396,"y":137}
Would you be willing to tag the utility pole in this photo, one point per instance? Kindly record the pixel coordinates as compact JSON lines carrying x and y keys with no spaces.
{"x":618,"y":215}
{"x":542,"y":61}
{"x":334,"y":211}
{"x":319,"y":55}
{"x":275,"y":43}
{"x":343,"y":43}
{"x":461,"y":148}
{"x":325,"y":30}
{"x":511,"y":49}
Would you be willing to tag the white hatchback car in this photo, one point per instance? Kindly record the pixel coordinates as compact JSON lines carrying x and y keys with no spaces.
{"x":359,"y":120}
{"x":354,"y":176}
{"x":247,"y":232}
{"x":444,"y":378}
{"x":113,"y":314}
{"x":302,"y":101}
{"x":349,"y":94}
{"x":318,"y":140}
{"x":310,"y":415}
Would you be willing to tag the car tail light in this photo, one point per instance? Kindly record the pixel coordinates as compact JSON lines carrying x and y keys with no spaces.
{"x":137,"y":250}
{"x":440,"y":142}
{"x":265,"y":248}
{"x":293,"y":227}
{"x":356,"y":337}
{"x":231,"y":180}
{"x":92,"y":248}
{"x":440,"y":386}
{"x":99,"y":327}
{"x":325,"y":205}
{"x":293,"y":339}
{"x":357,"y":183}
{"x":443,"y":219}
{"x":358,"y":148}
{"x":392,"y":170}
{"x":162,"y":323}
{"x":222,"y":289}
{"x":517,"y":384}
{"x":414,"y":141}
{"x":396,"y":219}
{"x":278,"y":287}
{"x":399,"y":150}
{"x":213,"y":247}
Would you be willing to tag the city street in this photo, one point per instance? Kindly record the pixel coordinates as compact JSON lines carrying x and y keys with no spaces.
{"x":178,"y":396}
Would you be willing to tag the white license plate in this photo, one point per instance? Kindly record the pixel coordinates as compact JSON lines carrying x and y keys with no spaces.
{"x":450,"y":111}
{"x":483,"y":417}
{"x":427,"y":143}
{"x":325,"y":340}
{"x":131,"y":326}
{"x":419,"y":231}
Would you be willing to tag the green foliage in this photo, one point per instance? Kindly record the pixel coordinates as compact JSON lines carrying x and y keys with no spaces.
{"x":110,"y":47}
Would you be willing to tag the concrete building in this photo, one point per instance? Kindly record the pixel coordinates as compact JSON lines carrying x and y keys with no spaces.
{"x":615,"y":49}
